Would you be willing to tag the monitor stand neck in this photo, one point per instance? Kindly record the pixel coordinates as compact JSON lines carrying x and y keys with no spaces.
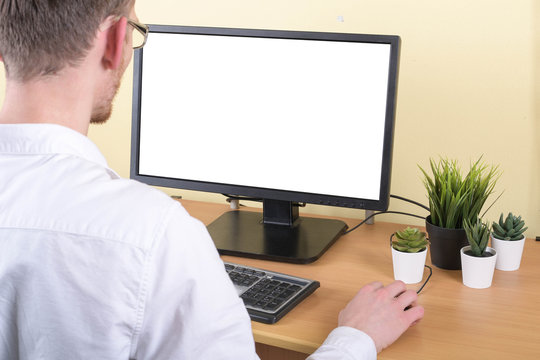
{"x":282,"y":213}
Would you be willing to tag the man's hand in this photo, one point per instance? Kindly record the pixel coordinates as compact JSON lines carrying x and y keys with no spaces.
{"x":380,"y":312}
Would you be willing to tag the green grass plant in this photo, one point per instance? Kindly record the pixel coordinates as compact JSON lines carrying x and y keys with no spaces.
{"x":454,"y":198}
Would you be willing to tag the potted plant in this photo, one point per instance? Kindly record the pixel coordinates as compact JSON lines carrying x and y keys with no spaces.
{"x":508,"y":240}
{"x":478,"y":260}
{"x":454,"y":198}
{"x":409,"y":255}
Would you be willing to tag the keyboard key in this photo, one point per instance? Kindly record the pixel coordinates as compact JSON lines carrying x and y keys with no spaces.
{"x":272,"y":305}
{"x":286,"y":293}
{"x":229,"y":267}
{"x":294,"y":288}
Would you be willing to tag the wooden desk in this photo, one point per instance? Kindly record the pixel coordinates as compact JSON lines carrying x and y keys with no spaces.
{"x":502,"y":322}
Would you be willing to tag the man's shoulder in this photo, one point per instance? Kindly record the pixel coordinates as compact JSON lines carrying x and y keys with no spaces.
{"x":69,"y":189}
{"x":136,"y":213}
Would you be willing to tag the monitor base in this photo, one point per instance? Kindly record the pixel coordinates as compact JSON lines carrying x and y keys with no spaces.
{"x":243,"y":233}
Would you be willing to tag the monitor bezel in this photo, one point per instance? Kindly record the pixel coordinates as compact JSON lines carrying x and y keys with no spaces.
{"x":266,"y":193}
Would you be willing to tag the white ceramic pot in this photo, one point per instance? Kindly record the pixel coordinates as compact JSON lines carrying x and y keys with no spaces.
{"x":478,"y":272}
{"x":409,"y":267}
{"x":508,"y":253}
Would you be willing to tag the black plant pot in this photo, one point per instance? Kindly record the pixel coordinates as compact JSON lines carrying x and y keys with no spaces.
{"x":445,"y":245}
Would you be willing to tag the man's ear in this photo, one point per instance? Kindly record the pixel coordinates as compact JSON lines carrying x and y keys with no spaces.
{"x":116,"y":35}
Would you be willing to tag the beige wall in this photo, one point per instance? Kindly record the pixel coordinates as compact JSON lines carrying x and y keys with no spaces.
{"x":469,"y":84}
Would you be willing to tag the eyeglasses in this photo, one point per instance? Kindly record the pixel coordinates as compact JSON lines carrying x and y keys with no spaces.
{"x":139,"y":36}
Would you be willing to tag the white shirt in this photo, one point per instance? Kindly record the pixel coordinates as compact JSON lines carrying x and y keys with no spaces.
{"x":93,"y":266}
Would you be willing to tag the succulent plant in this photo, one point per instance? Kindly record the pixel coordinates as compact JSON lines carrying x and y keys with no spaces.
{"x":410,"y":240}
{"x":511,"y":228}
{"x":478,"y":236}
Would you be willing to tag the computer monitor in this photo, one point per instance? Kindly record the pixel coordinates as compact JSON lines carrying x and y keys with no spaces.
{"x":288,"y":117}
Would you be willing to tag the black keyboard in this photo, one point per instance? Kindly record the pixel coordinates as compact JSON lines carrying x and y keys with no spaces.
{"x":268,"y":295}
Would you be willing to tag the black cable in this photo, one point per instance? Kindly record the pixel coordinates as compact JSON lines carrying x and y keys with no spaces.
{"x":379,"y":213}
{"x":410,"y":201}
{"x":425,"y":282}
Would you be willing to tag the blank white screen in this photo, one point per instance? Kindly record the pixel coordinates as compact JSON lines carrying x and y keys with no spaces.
{"x":295,"y":115}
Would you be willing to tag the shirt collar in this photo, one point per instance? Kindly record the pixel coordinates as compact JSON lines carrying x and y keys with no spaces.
{"x":48,"y":139}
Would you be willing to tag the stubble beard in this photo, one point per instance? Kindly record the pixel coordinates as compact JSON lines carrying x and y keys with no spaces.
{"x":103,"y":110}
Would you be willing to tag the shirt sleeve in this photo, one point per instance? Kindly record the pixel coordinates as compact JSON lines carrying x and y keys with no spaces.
{"x":192,"y":309}
{"x":346,"y":343}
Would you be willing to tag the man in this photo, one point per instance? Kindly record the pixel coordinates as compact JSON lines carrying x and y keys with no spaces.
{"x":99,"y":267}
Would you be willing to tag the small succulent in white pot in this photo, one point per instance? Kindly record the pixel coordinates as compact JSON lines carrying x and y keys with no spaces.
{"x":477,"y":259}
{"x":508,"y":239}
{"x":409,"y":255}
